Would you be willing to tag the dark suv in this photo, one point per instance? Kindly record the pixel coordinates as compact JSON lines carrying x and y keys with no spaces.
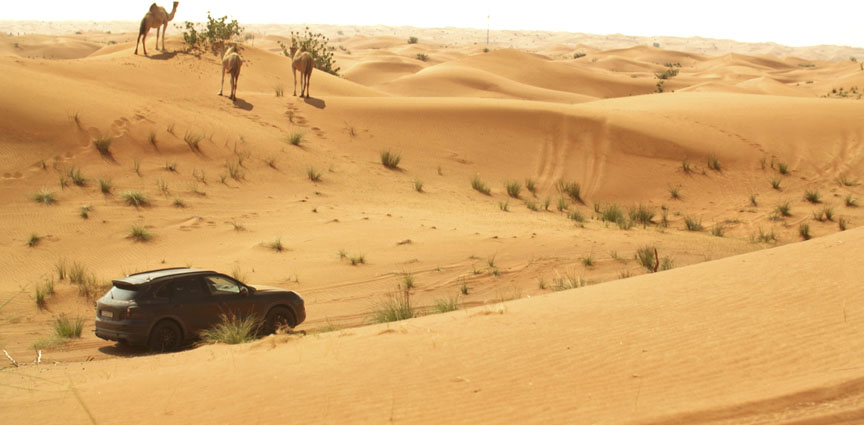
{"x":163,"y":309}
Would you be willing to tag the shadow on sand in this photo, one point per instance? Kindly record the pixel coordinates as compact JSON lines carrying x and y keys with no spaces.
{"x":162,"y":56}
{"x":242,"y":104}
{"x":318,"y":103}
{"x":122,"y":350}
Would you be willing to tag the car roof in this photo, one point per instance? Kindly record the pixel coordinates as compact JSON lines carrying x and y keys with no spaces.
{"x":148,"y":276}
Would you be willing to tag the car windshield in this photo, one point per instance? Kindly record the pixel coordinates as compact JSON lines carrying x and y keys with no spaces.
{"x":123,"y":294}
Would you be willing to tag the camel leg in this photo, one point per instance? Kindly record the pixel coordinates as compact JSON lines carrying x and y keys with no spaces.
{"x":222,"y":84}
{"x":234,"y":81}
{"x":164,"y":30}
{"x":136,"y":44}
{"x":144,"y":41}
{"x":308,"y":79}
{"x":294,"y":71}
{"x":157,"y":38}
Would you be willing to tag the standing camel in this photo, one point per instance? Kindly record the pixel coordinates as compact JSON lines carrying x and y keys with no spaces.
{"x":155,"y":18}
{"x":302,"y":63}
{"x":231,"y":62}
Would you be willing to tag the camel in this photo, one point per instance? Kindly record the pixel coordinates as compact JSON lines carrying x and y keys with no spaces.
{"x":302,"y":63}
{"x":231,"y":62}
{"x":155,"y":18}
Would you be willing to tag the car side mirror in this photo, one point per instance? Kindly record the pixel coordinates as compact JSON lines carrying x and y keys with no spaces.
{"x":244,"y":291}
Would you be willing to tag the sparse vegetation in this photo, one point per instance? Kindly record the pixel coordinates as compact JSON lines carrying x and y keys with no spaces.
{"x":804,"y":231}
{"x":463,"y":289}
{"x":567,"y":281}
{"x":504,"y":206}
{"x":718,"y":230}
{"x":34,"y":240}
{"x":357,"y":259}
{"x":76,"y":118}
{"x":480,"y":186}
{"x":76,"y":177}
{"x":152,"y":138}
{"x":279,"y":91}
{"x":783,"y":168}
{"x":171,"y":166}
{"x":390,"y":159}
{"x":213,"y":34}
{"x":84,"y":211}
{"x":693,"y":224}
{"x":105,"y":186}
{"x":136,"y":166}
{"x":812,"y":196}
{"x":775,"y":183}
{"x":576,"y":216}
{"x":193,"y":140}
{"x":139,"y":233}
{"x":412,"y":40}
{"x":103,"y":145}
{"x":851,"y":202}
{"x":271,"y":162}
{"x":276,"y":245}
{"x":513,"y":189}
{"x":233,"y":329}
{"x":784,"y":209}
{"x":397,"y":306}
{"x":642,"y":214}
{"x":588,"y":261}
{"x":446,"y":304}
{"x":646,"y":257}
{"x":842,"y":223}
{"x":163,"y":186}
{"x":562,"y":204}
{"x":313,"y":174}
{"x":675,"y":191}
{"x":531,"y":185}
{"x":318,"y":46}
{"x":418,"y":185}
{"x":135,"y":198}
{"x":686,"y":167}
{"x":753,"y":201}
{"x":295,"y":138}
{"x":66,"y":327}
{"x":178,"y":203}
{"x":47,"y":197}
{"x":42,"y":291}
{"x":571,"y":189}
{"x":714,"y":163}
{"x":845,"y":181}
{"x":611,"y":213}
{"x":765,"y":237}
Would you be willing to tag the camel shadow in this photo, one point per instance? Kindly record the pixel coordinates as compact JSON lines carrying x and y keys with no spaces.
{"x":163,"y":56}
{"x":242,"y":104}
{"x":318,"y":103}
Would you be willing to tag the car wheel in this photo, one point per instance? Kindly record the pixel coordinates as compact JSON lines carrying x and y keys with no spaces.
{"x":279,"y":317}
{"x":164,"y":337}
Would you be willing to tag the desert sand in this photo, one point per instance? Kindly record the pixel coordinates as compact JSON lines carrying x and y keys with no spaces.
{"x":748,"y":322}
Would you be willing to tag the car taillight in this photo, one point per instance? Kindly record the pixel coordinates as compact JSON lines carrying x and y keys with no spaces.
{"x":133,"y":313}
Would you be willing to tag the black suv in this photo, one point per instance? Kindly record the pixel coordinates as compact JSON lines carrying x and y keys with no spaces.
{"x":163,"y":309}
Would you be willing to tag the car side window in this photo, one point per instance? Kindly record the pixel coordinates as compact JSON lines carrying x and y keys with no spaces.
{"x":164,"y":291}
{"x":220,"y":285}
{"x":189,"y":288}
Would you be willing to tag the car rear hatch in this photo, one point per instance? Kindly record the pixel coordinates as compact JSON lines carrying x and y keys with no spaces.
{"x":116,"y":303}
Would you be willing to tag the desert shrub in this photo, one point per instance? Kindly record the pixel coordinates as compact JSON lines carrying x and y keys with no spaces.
{"x":571,"y":189}
{"x":135,"y":198}
{"x":295,"y":138}
{"x":645,"y":256}
{"x":513,"y":189}
{"x":784,"y":209}
{"x":611,"y":213}
{"x":422,"y":57}
{"x":76,"y":177}
{"x":714,"y":163}
{"x":775,"y":183}
{"x":812,"y":196}
{"x":313,"y":174}
{"x":412,"y":40}
{"x":685,"y":165}
{"x":718,"y":230}
{"x":233,"y":329}
{"x":103,"y":145}
{"x":395,"y":307}
{"x":578,"y":55}
{"x":317,"y":45}
{"x":504,"y":206}
{"x":531,"y":185}
{"x":65,"y":327}
{"x":276,"y":245}
{"x":804,"y":231}
{"x":693,"y":224}
{"x":642,"y":214}
{"x":667,"y":74}
{"x":390,"y":159}
{"x":139,"y":233}
{"x":447,"y":304}
{"x":105,"y":186}
{"x":480,"y":186}
{"x":47,"y":197}
{"x":212,"y":35}
{"x":783,"y":168}
{"x":842,"y":223}
{"x":576,"y":216}
{"x":675,"y":191}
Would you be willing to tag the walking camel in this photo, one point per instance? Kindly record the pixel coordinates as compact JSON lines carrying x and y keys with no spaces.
{"x":155,"y":18}
{"x":302,"y":63}
{"x":231,"y":62}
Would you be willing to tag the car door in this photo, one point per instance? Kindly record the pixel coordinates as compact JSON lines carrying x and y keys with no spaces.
{"x":193,"y":304}
{"x":231,"y":296}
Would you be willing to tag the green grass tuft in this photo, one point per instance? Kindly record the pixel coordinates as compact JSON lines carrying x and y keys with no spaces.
{"x":783,"y":168}
{"x":531,"y":185}
{"x":65,"y":327}
{"x":675,"y":191}
{"x":313,"y":174}
{"x":105,"y":186}
{"x":812,"y":196}
{"x":390,"y":159}
{"x":571,"y":189}
{"x":44,"y":196}
{"x":135,"y":198}
{"x":645,"y":256}
{"x":139,"y":233}
{"x":396,"y":307}
{"x":775,"y":183}
{"x":295,"y":138}
{"x":513,"y":189}
{"x":34,"y":240}
{"x":447,"y":304}
{"x":784,"y":209}
{"x":576,"y":216}
{"x":103,"y":145}
{"x":686,"y":167}
{"x":718,"y":230}
{"x":693,"y":224}
{"x":233,"y":329}
{"x":84,"y":211}
{"x":504,"y":206}
{"x":276,"y":245}
{"x":193,"y":140}
{"x":851,"y":202}
{"x":479,"y":186}
{"x":714,"y":163}
{"x":642,"y":214}
{"x":842,"y":223}
{"x":77,"y":178}
{"x":804,"y":231}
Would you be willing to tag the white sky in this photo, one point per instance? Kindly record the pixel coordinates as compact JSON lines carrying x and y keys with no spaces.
{"x":790,"y":22}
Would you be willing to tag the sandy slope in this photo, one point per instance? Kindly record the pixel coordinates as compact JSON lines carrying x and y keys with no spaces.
{"x":720,"y":342}
{"x":756,"y":338}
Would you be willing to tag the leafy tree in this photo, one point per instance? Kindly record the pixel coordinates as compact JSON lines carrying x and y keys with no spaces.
{"x":317,"y":45}
{"x":212,"y":35}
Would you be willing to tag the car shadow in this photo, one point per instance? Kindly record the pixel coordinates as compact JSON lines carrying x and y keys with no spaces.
{"x":123,"y":350}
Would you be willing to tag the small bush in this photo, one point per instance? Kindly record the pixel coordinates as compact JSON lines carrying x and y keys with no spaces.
{"x":646,"y":257}
{"x":135,"y":198}
{"x":714,"y":163}
{"x":193,"y":140}
{"x":65,"y":327}
{"x":34,"y":240}
{"x":395,"y":307}
{"x":103,"y":145}
{"x":718,"y":230}
{"x":571,"y":189}
{"x":233,"y":329}
{"x":753,"y":201}
{"x":412,"y":40}
{"x":276,"y":245}
{"x":295,"y":138}
{"x":775,"y":183}
{"x":139,"y":233}
{"x":642,"y":214}
{"x":105,"y":186}
{"x":313,"y":174}
{"x":851,"y":202}
{"x":685,"y":165}
{"x":77,"y":178}
{"x":783,"y":168}
{"x":479,"y":186}
{"x":513,"y":189}
{"x":279,"y":91}
{"x":675,"y":191}
{"x":47,"y":197}
{"x":612,"y":213}
{"x":444,"y":305}
{"x":804,"y":231}
{"x":784,"y":209}
{"x":842,"y":223}
{"x":390,"y":159}
{"x":812,"y":196}
{"x":504,"y":206}
{"x":418,"y":185}
{"x":423,"y":57}
{"x":693,"y":224}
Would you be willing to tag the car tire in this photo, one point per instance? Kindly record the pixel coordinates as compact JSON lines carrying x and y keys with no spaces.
{"x":279,"y":317}
{"x":165,"y":336}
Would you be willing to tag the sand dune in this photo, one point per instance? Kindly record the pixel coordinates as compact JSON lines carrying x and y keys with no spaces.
{"x":734,"y":332}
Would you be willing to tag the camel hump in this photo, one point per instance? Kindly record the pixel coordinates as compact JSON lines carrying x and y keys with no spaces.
{"x":154,"y":8}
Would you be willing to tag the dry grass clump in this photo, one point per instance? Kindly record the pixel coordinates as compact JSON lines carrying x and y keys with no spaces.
{"x":714,"y":163}
{"x":313,"y":174}
{"x":513,"y":189}
{"x":34,"y":240}
{"x":44,"y":290}
{"x":105,"y":186}
{"x":395,"y":307}
{"x":139,"y":233}
{"x":531,"y":185}
{"x":804,"y":231}
{"x":44,"y":196}
{"x":65,"y":327}
{"x":812,"y":196}
{"x":193,"y":140}
{"x":418,"y":185}
{"x":784,"y":209}
{"x":233,"y":329}
{"x":647,"y":257}
{"x":295,"y":138}
{"x":276,"y":245}
{"x":571,"y":189}
{"x":775,"y":183}
{"x":693,"y":224}
{"x":390,"y":159}
{"x":135,"y":198}
{"x":446,"y":304}
{"x":103,"y":145}
{"x":480,"y":186}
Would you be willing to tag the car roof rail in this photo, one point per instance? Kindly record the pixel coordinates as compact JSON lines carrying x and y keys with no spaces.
{"x":158,"y":270}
